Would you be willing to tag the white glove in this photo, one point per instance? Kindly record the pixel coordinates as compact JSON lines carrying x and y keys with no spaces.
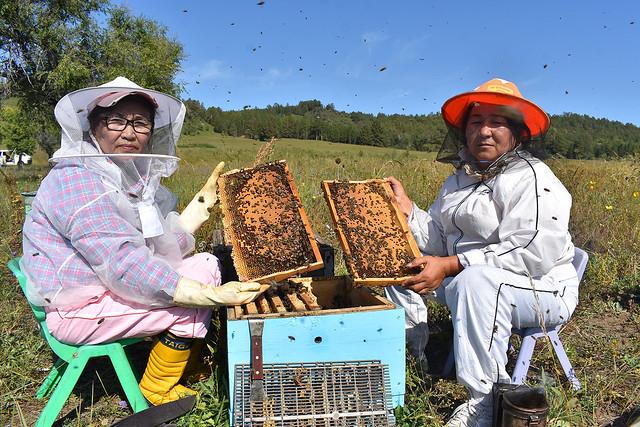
{"x":197,"y":211}
{"x":191,"y":293}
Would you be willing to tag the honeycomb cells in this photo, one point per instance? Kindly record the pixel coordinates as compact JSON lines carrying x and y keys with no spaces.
{"x":374,"y":237}
{"x":265,"y":223}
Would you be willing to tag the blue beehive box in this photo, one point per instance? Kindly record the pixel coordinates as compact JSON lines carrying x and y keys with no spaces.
{"x":355,"y":329}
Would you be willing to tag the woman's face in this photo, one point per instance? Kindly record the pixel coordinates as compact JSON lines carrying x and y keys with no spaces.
{"x":488,"y":134}
{"x":133,"y":112}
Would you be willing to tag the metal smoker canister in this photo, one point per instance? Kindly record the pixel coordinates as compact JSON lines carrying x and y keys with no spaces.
{"x":524,"y":408}
{"x":27,"y":198}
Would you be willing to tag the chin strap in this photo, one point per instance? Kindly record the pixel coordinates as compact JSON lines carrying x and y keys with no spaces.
{"x":497,"y":166}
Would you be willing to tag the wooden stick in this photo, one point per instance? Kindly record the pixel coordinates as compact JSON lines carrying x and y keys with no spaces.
{"x":295,"y":302}
{"x":281,"y":275}
{"x":251,"y":308}
{"x":309,"y":302}
{"x":263,"y":304}
{"x":237,"y":310}
{"x":277,"y":303}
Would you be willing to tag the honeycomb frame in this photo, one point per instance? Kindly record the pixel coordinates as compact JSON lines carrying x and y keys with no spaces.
{"x":371,"y":262}
{"x":266,"y":225}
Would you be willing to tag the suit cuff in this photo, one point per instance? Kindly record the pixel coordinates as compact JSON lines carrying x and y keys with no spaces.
{"x":472,"y":257}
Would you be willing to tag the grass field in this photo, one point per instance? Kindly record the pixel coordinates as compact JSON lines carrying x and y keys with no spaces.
{"x":602,"y":339}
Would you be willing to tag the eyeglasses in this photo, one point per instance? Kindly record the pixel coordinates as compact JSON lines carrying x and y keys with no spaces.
{"x":140,"y":126}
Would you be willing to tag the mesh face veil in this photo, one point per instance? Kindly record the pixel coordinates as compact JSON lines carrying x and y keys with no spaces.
{"x":137,"y":175}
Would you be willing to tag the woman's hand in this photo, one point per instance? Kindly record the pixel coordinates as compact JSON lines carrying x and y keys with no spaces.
{"x":191,"y":293}
{"x":434,"y":271}
{"x":197,"y":211}
{"x":404,"y":202}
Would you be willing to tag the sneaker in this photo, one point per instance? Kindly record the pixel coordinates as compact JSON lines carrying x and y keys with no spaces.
{"x":472,"y":413}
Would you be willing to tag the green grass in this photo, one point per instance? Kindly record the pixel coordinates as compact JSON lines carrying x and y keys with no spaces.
{"x":602,"y":338}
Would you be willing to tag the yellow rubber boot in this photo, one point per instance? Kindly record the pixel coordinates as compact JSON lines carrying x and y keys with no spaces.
{"x":167,"y":361}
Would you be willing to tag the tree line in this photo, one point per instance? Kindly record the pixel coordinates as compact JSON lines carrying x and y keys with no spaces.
{"x":571,"y":135}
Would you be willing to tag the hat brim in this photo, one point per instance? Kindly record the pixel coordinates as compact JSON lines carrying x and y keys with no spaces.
{"x":112,"y":98}
{"x":535,"y":118}
{"x":168,"y":107}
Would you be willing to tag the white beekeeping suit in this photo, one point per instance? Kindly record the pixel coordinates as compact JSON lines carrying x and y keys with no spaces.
{"x":510,"y":230}
{"x":500,"y":222}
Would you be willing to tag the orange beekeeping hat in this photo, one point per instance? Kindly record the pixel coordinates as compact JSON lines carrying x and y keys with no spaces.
{"x":496,"y":92}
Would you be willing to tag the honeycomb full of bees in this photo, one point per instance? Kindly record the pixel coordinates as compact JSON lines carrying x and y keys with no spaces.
{"x":373,"y":232}
{"x":266,"y":225}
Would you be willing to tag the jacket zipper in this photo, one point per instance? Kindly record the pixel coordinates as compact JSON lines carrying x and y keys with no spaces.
{"x":453,"y":218}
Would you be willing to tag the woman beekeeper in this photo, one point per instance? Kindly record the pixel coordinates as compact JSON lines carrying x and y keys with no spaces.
{"x":103,"y":251}
{"x":497,"y":248}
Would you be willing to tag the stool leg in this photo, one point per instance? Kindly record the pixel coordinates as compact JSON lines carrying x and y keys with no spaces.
{"x":62,"y":391}
{"x":52,"y":380}
{"x":127,"y":379}
{"x":564,"y":360}
{"x":524,"y":359}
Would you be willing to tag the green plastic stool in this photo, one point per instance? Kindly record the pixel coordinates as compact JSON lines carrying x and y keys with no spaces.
{"x":72,"y":359}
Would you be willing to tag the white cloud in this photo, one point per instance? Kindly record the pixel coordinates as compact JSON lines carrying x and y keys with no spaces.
{"x":213,"y":69}
{"x":372,"y":38}
{"x":274,"y":73}
{"x":410,"y":51}
{"x":531,"y":81}
{"x":270,"y":77}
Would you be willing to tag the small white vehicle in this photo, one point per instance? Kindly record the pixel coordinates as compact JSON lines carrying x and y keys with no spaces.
{"x":13,"y":158}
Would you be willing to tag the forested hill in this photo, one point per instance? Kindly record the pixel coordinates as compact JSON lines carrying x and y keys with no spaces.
{"x":571,"y":135}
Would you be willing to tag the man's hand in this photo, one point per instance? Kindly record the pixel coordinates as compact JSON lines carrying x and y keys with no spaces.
{"x":434,"y":271}
{"x":197,"y":211}
{"x":404,"y":202}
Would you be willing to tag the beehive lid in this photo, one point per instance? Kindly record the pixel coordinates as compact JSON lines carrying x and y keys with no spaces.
{"x":266,"y":225}
{"x":373,"y":232}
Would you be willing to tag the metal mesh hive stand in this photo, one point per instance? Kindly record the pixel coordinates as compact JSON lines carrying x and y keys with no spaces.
{"x":316,"y":394}
{"x":341,"y":364}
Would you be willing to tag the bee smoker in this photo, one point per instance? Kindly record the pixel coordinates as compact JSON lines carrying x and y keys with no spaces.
{"x":518,"y":405}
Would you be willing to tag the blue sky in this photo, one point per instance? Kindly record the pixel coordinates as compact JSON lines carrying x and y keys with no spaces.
{"x":567,"y":56}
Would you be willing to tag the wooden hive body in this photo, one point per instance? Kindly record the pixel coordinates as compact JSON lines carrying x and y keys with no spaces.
{"x":266,"y":224}
{"x":372,"y":231}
